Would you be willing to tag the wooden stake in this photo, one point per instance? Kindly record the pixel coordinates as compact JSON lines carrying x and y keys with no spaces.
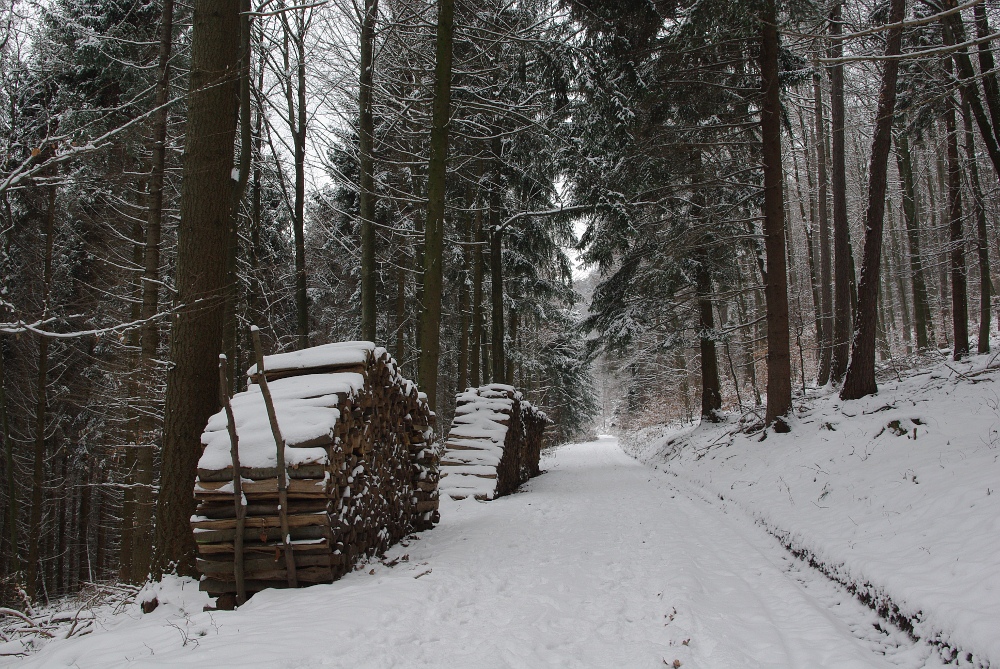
{"x":279,"y":443}
{"x":238,"y":499}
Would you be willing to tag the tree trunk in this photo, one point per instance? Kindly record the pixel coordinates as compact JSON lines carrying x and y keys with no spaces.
{"x":463,"y":314}
{"x":904,"y":304}
{"x":430,"y":322}
{"x":808,"y":227}
{"x":779,"y":380}
{"x":841,"y":236}
{"x":192,"y":380}
{"x":711,"y":393}
{"x":826,"y":261}
{"x":476,"y":353}
{"x":401,"y":304}
{"x":230,"y":343}
{"x":982,"y":242}
{"x":959,"y":289}
{"x":987,"y":66}
{"x":142,"y":529}
{"x":860,"y":379}
{"x":921,"y":304}
{"x":61,"y":528}
{"x":14,"y":557}
{"x":366,"y":147}
{"x":497,"y":353}
{"x":126,"y":544}
{"x":301,"y":295}
{"x":84,"y":573}
{"x":512,"y":330}
{"x":41,"y":406}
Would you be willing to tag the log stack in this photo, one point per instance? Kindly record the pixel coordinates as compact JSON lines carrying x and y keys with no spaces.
{"x":494,"y":444}
{"x":361,"y":461}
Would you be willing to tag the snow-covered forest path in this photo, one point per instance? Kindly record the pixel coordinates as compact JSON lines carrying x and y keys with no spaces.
{"x":600,"y":562}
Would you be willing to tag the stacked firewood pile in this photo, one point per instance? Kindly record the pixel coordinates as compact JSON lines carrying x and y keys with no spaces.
{"x":494,"y":444}
{"x":360,"y":458}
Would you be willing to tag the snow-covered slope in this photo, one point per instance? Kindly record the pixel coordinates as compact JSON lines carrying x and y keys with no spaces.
{"x":896,"y":495}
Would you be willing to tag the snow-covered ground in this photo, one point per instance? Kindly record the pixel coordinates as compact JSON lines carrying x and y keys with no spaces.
{"x":600,"y":562}
{"x":896,"y":495}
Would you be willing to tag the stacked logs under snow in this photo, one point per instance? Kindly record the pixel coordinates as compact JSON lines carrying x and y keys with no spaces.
{"x":494,"y":444}
{"x":361,"y":461}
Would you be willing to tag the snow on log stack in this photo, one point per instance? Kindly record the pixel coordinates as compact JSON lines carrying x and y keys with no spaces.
{"x":494,"y":444}
{"x":361,"y":461}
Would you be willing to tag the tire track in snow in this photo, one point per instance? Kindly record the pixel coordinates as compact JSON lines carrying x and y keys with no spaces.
{"x":879,"y":635}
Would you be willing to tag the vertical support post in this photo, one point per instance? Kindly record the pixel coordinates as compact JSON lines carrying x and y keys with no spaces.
{"x":279,"y":443}
{"x":238,"y":499}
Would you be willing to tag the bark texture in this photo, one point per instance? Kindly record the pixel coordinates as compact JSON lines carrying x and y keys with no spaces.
{"x":430,"y":322}
{"x":196,"y":336}
{"x":860,"y":379}
{"x":366,"y":147}
{"x":779,"y":371}
{"x":842,"y":258}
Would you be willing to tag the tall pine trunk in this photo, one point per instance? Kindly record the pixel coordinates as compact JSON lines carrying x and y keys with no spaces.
{"x":41,"y":407}
{"x":192,"y":380}
{"x":826,"y":261}
{"x":430,"y":322}
{"x":860,"y":379}
{"x":366,"y":146}
{"x":299,"y":218}
{"x":497,"y":353}
{"x":142,"y":533}
{"x":842,"y":260}
{"x":476,"y":368}
{"x":779,"y":373}
{"x":987,"y":67}
{"x":982,"y":241}
{"x":959,"y":286}
{"x":921,"y":304}
{"x":14,"y":557}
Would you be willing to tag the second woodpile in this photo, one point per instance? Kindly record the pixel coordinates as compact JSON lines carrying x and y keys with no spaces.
{"x":361,"y":462}
{"x":494,"y":445}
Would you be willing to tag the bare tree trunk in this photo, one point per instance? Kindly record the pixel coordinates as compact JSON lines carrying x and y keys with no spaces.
{"x":884,"y":318}
{"x":860,"y":379}
{"x":83,"y":566}
{"x":711,"y":393}
{"x":401,"y":304}
{"x":987,"y":67}
{"x":192,"y":380}
{"x":476,"y":353}
{"x":61,"y":528}
{"x":14,"y":557}
{"x":496,"y":274}
{"x":142,"y":532}
{"x":366,"y":147}
{"x":921,"y":305}
{"x":230,"y":336}
{"x":838,"y":181}
{"x":982,"y":243}
{"x":779,"y":381}
{"x":959,"y":289}
{"x":512,"y":329}
{"x":430,"y":322}
{"x":41,"y":406}
{"x":301,"y":295}
{"x":463,"y":313}
{"x":826,"y":261}
{"x":897,"y":262}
